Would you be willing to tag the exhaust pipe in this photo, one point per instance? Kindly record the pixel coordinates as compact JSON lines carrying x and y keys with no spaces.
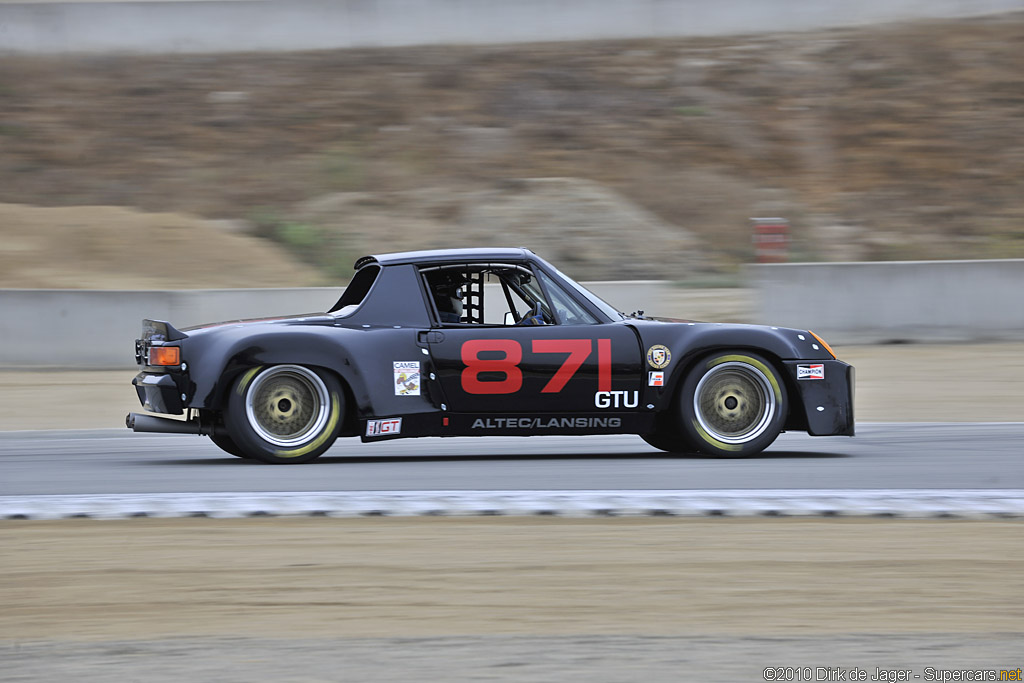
{"x":164,"y":425}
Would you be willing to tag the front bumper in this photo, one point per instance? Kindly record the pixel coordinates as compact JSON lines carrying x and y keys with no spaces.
{"x":828,"y":401}
{"x":159,"y":392}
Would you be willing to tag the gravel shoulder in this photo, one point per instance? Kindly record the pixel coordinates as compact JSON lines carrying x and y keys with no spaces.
{"x":504,"y":598}
{"x":423,"y":577}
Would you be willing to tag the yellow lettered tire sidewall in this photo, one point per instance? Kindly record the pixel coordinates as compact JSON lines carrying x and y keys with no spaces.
{"x":252,"y":444}
{"x":773,"y":379}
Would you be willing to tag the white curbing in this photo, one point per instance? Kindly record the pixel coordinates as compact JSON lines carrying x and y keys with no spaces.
{"x":736,"y":502}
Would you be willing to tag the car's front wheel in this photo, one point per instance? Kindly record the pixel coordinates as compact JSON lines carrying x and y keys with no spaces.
{"x":732,"y":404}
{"x":669,"y":440}
{"x":285,"y":414}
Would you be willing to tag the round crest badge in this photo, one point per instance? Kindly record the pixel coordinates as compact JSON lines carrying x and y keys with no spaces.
{"x":658,"y":356}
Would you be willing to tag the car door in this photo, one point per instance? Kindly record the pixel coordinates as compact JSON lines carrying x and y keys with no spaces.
{"x":575,"y":364}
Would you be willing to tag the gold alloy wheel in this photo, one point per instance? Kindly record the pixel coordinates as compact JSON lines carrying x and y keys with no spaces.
{"x":287,"y":405}
{"x":734,"y":402}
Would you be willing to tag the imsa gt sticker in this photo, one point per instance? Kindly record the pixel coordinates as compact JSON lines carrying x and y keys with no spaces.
{"x":407,"y":377}
{"x":389,"y":427}
{"x":815,"y":371}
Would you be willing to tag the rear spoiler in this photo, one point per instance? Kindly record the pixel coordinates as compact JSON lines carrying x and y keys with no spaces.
{"x":161,"y":330}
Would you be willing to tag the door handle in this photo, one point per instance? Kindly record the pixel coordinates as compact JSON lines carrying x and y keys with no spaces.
{"x":430,"y":337}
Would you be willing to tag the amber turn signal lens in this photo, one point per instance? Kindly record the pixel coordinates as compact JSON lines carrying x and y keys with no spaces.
{"x":824,"y":344}
{"x":164,"y":355}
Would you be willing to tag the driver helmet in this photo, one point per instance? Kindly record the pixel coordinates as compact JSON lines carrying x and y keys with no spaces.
{"x":450,"y":308}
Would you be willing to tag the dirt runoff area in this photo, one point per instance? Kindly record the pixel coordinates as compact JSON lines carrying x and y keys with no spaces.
{"x":505,"y":598}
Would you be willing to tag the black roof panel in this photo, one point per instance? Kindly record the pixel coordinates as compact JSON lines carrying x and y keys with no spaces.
{"x":450,"y":255}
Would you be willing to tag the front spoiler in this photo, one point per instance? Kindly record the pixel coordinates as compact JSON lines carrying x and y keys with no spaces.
{"x":828,"y":402}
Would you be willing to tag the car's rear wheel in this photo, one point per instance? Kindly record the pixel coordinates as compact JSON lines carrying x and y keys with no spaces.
{"x":285,"y":414}
{"x":732,"y":404}
{"x":228,"y":445}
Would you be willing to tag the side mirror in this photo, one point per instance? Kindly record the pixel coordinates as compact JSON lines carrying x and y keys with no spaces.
{"x":510,"y":318}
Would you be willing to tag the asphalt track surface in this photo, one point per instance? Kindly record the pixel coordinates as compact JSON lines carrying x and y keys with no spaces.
{"x":881,"y":456}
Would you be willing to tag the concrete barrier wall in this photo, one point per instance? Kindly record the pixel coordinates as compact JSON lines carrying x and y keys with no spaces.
{"x":894,"y":301}
{"x":219,"y":25}
{"x":97,"y":329}
{"x":920,"y":301}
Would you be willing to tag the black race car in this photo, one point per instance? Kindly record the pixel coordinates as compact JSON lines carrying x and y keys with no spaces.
{"x":475,"y":342}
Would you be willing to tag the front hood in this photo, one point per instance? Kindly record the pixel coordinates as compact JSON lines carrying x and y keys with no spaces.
{"x":670,"y":320}
{"x":684,"y":337}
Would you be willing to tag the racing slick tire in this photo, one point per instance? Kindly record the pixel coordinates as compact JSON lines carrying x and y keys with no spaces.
{"x":671,"y":442}
{"x":285,"y":414}
{"x":733,"y":404}
{"x":228,"y":445}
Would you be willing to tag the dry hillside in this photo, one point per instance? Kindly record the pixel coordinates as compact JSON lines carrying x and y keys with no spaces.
{"x":887,"y":142}
{"x":109,"y":247}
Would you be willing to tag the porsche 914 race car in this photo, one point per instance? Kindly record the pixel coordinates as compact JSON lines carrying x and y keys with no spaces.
{"x":475,"y":342}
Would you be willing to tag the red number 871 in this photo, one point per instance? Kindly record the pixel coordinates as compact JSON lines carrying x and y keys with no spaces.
{"x":578,"y":351}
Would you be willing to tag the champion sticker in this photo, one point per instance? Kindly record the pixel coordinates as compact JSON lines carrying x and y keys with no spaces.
{"x":407,"y":377}
{"x":658,"y":356}
{"x":656,"y":379}
{"x":384,"y":427}
{"x":816,"y":371}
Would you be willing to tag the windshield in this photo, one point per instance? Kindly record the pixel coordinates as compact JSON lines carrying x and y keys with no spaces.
{"x":605,"y":307}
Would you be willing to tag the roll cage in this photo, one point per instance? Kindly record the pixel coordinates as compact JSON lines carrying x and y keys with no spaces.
{"x":500,"y":294}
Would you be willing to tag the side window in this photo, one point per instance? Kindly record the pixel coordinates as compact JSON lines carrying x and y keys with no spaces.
{"x":498,"y":295}
{"x":455,"y":295}
{"x":566,"y":310}
{"x":505,"y":301}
